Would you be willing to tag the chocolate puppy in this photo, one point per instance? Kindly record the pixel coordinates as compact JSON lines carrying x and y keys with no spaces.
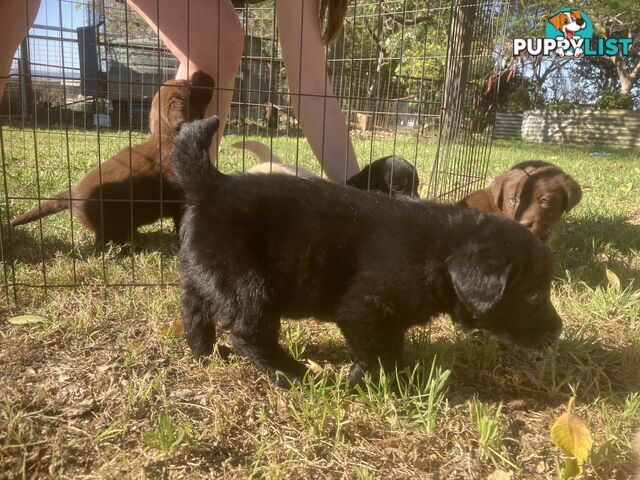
{"x":534,"y":193}
{"x":136,"y":186}
{"x":255,"y":248}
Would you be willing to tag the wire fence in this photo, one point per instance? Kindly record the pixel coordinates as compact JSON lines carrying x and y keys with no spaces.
{"x":410,"y":77}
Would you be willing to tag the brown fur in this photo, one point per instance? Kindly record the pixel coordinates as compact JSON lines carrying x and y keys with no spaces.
{"x":102,"y":200}
{"x":534,"y":193}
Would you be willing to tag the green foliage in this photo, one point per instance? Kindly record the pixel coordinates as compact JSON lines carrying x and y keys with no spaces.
{"x":563,"y":106}
{"x":296,"y":341}
{"x":166,"y":437}
{"x":490,"y":427}
{"x":611,"y":100}
{"x":414,"y":401}
{"x":317,"y":406}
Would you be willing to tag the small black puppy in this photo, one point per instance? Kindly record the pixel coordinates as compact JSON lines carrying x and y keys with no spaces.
{"x":391,"y":175}
{"x":255,"y":248}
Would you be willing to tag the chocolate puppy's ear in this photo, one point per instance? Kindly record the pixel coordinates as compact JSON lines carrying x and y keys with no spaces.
{"x":573,"y":193}
{"x":479,"y":277}
{"x":480,"y":200}
{"x":496,"y":188}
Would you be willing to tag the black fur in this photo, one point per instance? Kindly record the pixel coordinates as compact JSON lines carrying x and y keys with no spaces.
{"x":391,"y":175}
{"x":256,"y":248}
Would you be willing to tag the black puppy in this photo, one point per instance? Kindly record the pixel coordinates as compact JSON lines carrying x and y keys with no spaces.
{"x":391,"y":175}
{"x":256,"y":248}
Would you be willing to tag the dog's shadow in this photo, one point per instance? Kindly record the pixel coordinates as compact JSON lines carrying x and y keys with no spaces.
{"x":29,"y":248}
{"x":483,"y":367}
{"x":584,"y":247}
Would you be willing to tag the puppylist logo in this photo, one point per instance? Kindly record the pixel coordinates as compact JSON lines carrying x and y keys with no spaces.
{"x":569,"y":32}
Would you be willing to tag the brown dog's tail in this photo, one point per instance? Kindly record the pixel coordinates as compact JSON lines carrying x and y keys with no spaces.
{"x":263,"y":152}
{"x":59,"y":202}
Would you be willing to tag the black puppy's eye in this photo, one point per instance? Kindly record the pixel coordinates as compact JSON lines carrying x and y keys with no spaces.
{"x":534,"y":297}
{"x":513,"y":199}
{"x":545,"y":201}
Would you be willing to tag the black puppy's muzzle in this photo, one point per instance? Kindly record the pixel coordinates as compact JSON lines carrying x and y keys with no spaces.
{"x":543,"y":329}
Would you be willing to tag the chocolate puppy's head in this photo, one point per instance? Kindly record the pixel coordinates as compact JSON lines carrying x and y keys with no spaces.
{"x":502,"y":281}
{"x":179,"y":101}
{"x":536,"y":194}
{"x":392,"y":175}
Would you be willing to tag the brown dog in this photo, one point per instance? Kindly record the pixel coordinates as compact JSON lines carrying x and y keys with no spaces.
{"x":534,"y":193}
{"x":102,"y":200}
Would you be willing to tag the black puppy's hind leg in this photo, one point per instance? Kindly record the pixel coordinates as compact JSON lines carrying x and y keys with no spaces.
{"x":257,"y":340}
{"x":199,"y":325}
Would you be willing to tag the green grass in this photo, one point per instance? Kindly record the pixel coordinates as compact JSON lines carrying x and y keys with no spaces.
{"x":107,"y":387}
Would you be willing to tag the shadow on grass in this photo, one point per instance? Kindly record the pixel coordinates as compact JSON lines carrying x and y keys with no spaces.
{"x":26,"y":247}
{"x":495,"y":371}
{"x":585,"y":247}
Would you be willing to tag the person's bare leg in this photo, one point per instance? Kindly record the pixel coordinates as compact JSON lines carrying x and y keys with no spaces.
{"x":203,"y":35}
{"x":16,"y":17}
{"x":314,"y":102}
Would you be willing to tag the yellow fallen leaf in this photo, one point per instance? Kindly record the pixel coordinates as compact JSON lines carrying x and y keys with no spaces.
{"x":500,"y":475}
{"x":613,"y":279}
{"x":314,"y":367}
{"x":574,"y":439}
{"x":572,"y":469}
{"x":27,"y":320}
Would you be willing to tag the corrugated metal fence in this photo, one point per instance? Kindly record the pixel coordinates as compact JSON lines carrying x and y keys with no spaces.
{"x":608,"y":128}
{"x":508,"y":125}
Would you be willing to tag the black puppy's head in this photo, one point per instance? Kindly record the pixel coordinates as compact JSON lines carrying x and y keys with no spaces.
{"x":392,"y":175}
{"x":502,"y":280}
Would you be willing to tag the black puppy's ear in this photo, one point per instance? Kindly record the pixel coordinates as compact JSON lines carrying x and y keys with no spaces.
{"x":573,"y":193}
{"x":479,"y":278}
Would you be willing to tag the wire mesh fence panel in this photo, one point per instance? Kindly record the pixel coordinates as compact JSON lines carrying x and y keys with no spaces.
{"x":410,"y":76}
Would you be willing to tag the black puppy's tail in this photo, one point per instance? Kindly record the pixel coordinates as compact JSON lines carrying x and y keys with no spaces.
{"x":59,"y":202}
{"x":190,"y":158}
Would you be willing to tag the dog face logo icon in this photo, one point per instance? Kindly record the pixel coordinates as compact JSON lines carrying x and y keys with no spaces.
{"x":566,"y":25}
{"x":568,"y":22}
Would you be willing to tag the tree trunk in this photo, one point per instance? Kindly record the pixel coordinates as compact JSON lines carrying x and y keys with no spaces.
{"x":463,"y":15}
